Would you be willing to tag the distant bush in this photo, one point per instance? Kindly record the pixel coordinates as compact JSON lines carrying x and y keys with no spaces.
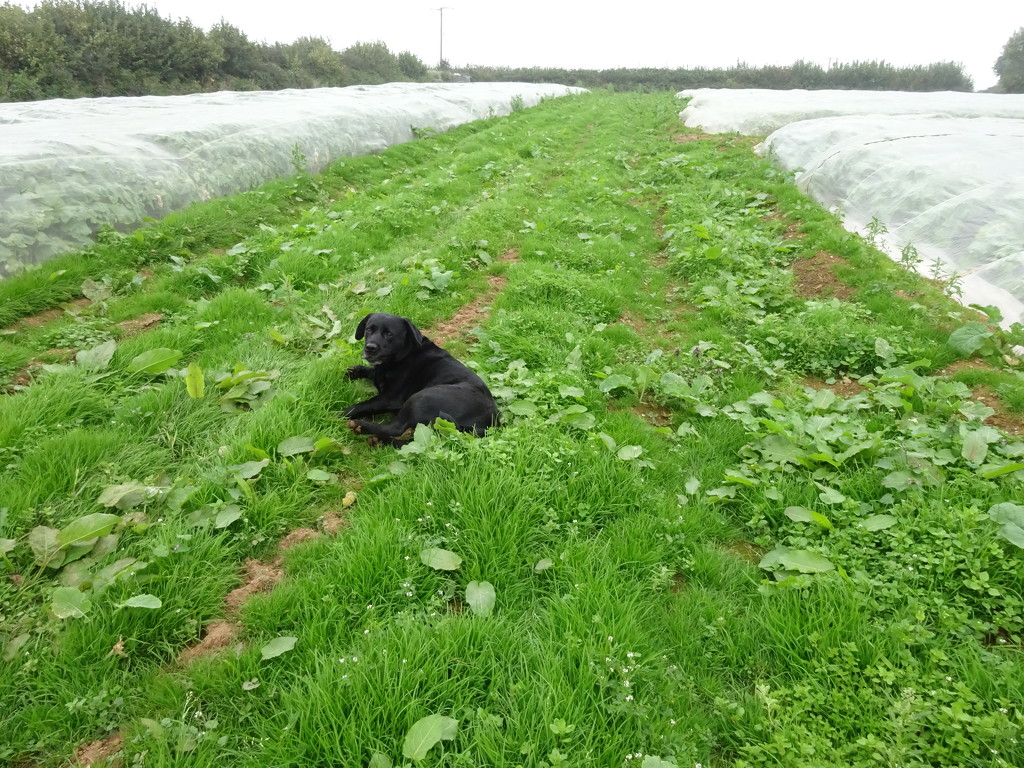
{"x":860,"y":75}
{"x":71,"y":48}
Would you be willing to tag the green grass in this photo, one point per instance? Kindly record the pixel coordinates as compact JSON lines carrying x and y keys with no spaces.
{"x":633,"y":614}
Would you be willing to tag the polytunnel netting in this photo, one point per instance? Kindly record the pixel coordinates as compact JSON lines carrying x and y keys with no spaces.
{"x":951,"y":187}
{"x":68,"y":167}
{"x":943,"y":172}
{"x":755,"y":112}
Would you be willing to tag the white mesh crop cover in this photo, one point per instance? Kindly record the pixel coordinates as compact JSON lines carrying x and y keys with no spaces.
{"x":951,"y":187}
{"x":69,"y":166}
{"x":758,"y":112}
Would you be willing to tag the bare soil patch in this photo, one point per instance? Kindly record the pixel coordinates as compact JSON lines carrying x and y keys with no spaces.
{"x":816,"y":277}
{"x":35,"y":321}
{"x":971,"y":364}
{"x":100,"y":752}
{"x":476,"y":311}
{"x":1009,"y":422}
{"x":844,"y":387}
{"x":139,"y":324}
{"x":654,"y":414}
{"x":680,"y":137}
{"x":258,"y":577}
{"x":745,"y":551}
{"x":469,"y":315}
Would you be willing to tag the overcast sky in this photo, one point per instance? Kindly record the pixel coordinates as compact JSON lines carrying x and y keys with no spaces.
{"x":639,"y":33}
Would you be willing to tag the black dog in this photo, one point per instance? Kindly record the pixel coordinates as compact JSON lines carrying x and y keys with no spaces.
{"x":416,"y":378}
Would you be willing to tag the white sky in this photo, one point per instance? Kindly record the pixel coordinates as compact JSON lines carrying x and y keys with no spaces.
{"x":596,"y":35}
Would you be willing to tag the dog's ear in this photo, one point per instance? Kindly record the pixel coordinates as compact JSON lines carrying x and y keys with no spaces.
{"x":414,"y":332}
{"x":361,"y":328}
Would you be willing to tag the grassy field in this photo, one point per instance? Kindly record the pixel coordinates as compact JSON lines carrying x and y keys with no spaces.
{"x":748,"y":506}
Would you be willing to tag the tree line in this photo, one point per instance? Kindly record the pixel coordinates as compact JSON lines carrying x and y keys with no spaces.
{"x":69,"y":49}
{"x":76,"y":48}
{"x":859,"y":75}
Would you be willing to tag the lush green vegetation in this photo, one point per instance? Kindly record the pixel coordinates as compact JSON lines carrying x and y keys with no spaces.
{"x":858,"y":75}
{"x":680,"y":549}
{"x":74,"y":48}
{"x":1010,"y":64}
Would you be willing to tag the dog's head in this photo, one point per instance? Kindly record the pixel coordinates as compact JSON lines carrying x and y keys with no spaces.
{"x":389,"y":338}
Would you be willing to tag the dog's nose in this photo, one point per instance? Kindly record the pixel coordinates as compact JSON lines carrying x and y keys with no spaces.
{"x":371,"y":347}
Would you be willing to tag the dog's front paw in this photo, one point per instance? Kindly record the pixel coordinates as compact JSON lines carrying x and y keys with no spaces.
{"x":355,"y":426}
{"x":374,"y":442}
{"x":357,"y":372}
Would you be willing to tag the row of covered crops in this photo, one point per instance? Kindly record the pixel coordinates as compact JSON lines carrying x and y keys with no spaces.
{"x":70,"y":166}
{"x":941,"y":172}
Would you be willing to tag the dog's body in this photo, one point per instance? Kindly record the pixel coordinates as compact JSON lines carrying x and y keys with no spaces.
{"x":416,"y":378}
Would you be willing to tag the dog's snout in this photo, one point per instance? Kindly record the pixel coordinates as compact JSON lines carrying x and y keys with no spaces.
{"x":371,"y":346}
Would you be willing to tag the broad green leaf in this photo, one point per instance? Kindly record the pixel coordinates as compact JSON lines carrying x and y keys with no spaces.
{"x":823,"y":399}
{"x":425,"y":733}
{"x":227,"y":516}
{"x":1011,"y":516}
{"x":975,"y":446}
{"x":277,"y":646}
{"x":803,"y":515}
{"x":42,"y":540}
{"x":878,"y":522}
{"x":480,"y":596}
{"x":806,"y":562}
{"x":379,"y":760}
{"x":884,"y":349}
{"x":249,"y":469}
{"x":801,"y":560}
{"x":6,"y":545}
{"x":440,"y":559}
{"x":88,"y":527}
{"x":608,"y":441}
{"x":615,"y":381}
{"x":799,"y":514}
{"x":543,"y":564}
{"x":69,"y":603}
{"x":154,"y":361}
{"x":523,"y":408}
{"x":294,"y":445}
{"x":567,"y":391}
{"x":969,"y":338}
{"x":97,"y":358}
{"x":1013,"y":534}
{"x":830,"y":495}
{"x":111,"y":573}
{"x":124,"y":496}
{"x":692,"y":485}
{"x":780,"y":449}
{"x":584,"y":421}
{"x":77,"y":552}
{"x":650,"y":761}
{"x":899,"y":481}
{"x":321,"y":477}
{"x":150,"y":602}
{"x":1007,"y":512}
{"x":989,"y":471}
{"x":155,"y":729}
{"x":195,"y":382}
{"x":14,"y":645}
{"x":629,"y":452}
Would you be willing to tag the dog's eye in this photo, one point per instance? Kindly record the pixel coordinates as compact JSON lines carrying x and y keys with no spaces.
{"x":386,"y":334}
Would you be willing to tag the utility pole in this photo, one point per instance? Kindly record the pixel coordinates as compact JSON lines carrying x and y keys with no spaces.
{"x":441,"y":10}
